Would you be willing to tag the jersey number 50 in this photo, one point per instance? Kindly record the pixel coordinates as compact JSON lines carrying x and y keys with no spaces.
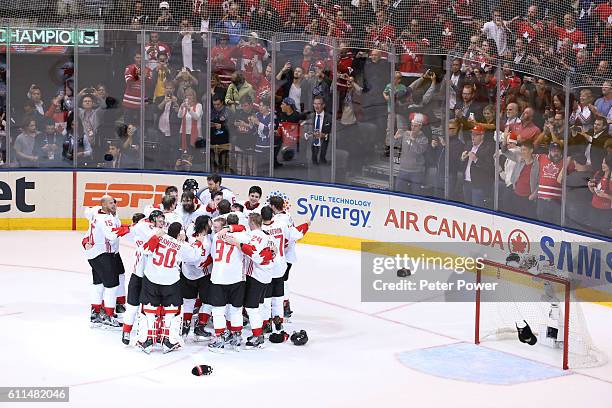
{"x":166,"y":259}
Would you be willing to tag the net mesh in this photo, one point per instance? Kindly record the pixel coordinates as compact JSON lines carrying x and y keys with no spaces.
{"x":539,"y":301}
{"x":547,"y":35}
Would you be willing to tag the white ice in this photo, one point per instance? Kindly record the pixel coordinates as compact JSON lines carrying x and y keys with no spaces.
{"x":350,"y":360}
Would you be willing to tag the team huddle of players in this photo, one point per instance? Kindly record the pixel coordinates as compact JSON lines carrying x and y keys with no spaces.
{"x":209,"y":256}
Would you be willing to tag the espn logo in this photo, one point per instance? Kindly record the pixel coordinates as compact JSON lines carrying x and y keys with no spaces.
{"x":127,"y":195}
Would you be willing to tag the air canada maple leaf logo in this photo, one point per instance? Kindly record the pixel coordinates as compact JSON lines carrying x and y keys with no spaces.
{"x":518,"y":242}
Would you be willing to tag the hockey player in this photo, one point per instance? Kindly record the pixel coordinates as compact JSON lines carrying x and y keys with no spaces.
{"x":170,"y":191}
{"x":211,"y":206}
{"x":253,"y":204}
{"x":188,"y":211}
{"x":192,"y":185}
{"x":281,"y":234}
{"x":278,"y":207}
{"x":102,"y":250}
{"x":140,"y":232}
{"x":169,"y":211}
{"x":225,"y":209}
{"x":195,"y":278}
{"x":227,"y":284}
{"x":258,"y":268}
{"x":214,"y":184}
{"x":162,"y":256}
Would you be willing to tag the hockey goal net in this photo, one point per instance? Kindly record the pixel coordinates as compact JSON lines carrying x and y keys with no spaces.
{"x":545,"y":301}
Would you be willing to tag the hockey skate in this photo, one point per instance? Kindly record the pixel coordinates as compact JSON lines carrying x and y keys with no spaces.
{"x":234,"y":341}
{"x":217,"y":345}
{"x":95,"y":320}
{"x":200,"y":334}
{"x":186,"y":328}
{"x":267,"y":327}
{"x":119,"y":308}
{"x":147,"y":346}
{"x":254,"y":342}
{"x":278,"y":324}
{"x":125,"y":338}
{"x":167,"y":346}
{"x":111,"y":322}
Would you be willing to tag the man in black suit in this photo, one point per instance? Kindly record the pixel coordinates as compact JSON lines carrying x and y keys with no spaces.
{"x":321,"y":122}
{"x":468,"y":111}
{"x":479,"y":174}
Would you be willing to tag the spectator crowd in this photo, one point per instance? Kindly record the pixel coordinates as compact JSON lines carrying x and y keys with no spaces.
{"x":496,"y":131}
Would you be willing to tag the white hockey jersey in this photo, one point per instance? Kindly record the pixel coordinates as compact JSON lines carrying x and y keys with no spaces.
{"x":100,"y":233}
{"x":149,"y":209}
{"x":227,"y":259}
{"x":242,"y":218}
{"x":198,"y":269}
{"x":204,"y":195}
{"x":140,"y":233}
{"x":162,"y":266}
{"x":286,"y":218}
{"x":259,"y":256}
{"x":248,"y":209}
{"x":188,"y":218}
{"x":281,"y":234}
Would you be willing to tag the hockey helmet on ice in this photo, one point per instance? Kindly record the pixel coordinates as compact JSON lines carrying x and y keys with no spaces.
{"x":299,"y":338}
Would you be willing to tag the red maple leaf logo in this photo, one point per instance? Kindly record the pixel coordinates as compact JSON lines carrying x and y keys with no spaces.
{"x":518,"y":245}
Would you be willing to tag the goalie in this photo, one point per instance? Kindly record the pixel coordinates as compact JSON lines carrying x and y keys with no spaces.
{"x":161,"y":319}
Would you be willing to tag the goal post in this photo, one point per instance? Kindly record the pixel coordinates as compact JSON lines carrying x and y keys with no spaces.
{"x":545,"y":301}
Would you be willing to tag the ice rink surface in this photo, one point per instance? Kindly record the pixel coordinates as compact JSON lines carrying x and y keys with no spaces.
{"x":355,"y":356}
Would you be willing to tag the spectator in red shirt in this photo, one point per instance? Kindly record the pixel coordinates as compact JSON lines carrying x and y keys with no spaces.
{"x":221,"y":55}
{"x":153,"y":48}
{"x":527,"y":130}
{"x":530,"y":28}
{"x":381,"y":31}
{"x":570,"y":31}
{"x":601,"y":187}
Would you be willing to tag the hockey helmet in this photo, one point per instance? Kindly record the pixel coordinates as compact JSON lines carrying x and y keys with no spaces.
{"x":155,"y":214}
{"x":190,"y":184}
{"x":299,"y":338}
{"x":278,"y":337}
{"x":200,"y":370}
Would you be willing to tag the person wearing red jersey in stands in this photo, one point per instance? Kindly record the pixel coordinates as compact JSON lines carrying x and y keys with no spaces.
{"x":381,"y":31}
{"x":601,"y":187}
{"x":133,"y":88}
{"x":570,"y":32}
{"x":223,"y":63}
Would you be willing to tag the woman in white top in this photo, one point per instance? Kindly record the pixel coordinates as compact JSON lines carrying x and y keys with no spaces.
{"x":190,"y":113}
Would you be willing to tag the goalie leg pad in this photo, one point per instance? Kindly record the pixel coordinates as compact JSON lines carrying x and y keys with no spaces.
{"x":173,"y":324}
{"x":146,"y":324}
